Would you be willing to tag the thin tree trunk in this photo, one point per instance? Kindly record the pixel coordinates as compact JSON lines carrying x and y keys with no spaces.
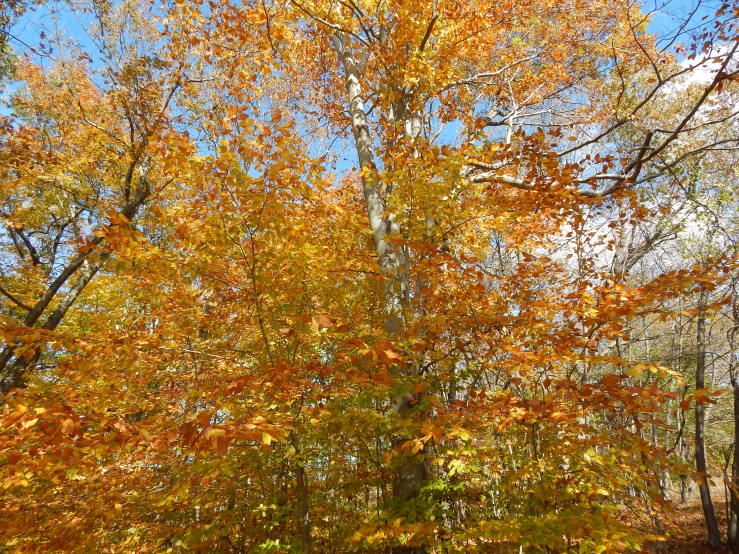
{"x":714,"y":536}
{"x":684,"y":480}
{"x":732,"y":530}
{"x":303,"y":514}
{"x":666,"y":483}
{"x":733,"y":526}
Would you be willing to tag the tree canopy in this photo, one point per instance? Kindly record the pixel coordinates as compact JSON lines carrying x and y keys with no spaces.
{"x":363,"y":276}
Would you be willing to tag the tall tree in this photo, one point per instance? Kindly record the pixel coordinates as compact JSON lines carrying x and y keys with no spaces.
{"x":282,"y":353}
{"x":77,"y":164}
{"x":714,"y":535}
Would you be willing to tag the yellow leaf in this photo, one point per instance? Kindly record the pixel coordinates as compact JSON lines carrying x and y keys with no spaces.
{"x":30,"y":423}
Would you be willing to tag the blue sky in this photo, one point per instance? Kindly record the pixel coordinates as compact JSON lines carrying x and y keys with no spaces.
{"x":54,"y":15}
{"x":57,"y":19}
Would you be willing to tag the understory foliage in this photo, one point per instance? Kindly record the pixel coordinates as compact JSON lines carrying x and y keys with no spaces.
{"x":365,"y":276}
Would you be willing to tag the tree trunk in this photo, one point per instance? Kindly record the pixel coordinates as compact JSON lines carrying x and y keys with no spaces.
{"x":13,"y":375}
{"x":732,"y":530}
{"x":714,"y":536}
{"x":303,"y":514}
{"x":393,"y":260}
{"x":666,"y":482}
{"x":685,"y":481}
{"x":733,"y":526}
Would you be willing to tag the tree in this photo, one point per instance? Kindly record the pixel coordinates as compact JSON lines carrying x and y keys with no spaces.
{"x":95,"y":178}
{"x":278,"y":354}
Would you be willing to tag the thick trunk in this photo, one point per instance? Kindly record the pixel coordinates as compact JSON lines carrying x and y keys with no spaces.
{"x":393,"y":260}
{"x":409,"y":477}
{"x":714,"y":536}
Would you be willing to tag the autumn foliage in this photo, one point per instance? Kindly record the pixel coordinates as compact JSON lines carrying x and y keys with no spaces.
{"x":348,"y":277}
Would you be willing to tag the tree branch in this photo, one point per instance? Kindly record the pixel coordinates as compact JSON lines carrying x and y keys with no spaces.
{"x":328,"y":24}
{"x":14,"y":300}
{"x":429,"y":29}
{"x":31,"y":248}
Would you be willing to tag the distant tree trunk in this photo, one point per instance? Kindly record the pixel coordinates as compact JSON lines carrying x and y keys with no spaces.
{"x":303,"y":514}
{"x":665,"y":481}
{"x":714,"y":536}
{"x":733,"y":526}
{"x":684,"y":480}
{"x":732,"y":530}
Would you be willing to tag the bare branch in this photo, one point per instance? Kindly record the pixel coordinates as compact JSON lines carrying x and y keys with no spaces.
{"x":474,"y":78}
{"x":495,"y":177}
{"x":328,"y":24}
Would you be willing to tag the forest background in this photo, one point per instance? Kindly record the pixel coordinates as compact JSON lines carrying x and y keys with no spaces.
{"x":367,"y":276}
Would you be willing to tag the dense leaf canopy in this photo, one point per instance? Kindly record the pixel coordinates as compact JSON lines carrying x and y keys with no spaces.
{"x":359,"y":276}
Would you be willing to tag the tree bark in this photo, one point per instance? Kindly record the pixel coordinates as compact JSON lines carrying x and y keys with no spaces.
{"x":13,"y":375}
{"x":685,"y":482}
{"x":666,"y":482}
{"x":393,"y":260}
{"x":303,"y":514}
{"x":714,"y":536}
{"x":732,"y":530}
